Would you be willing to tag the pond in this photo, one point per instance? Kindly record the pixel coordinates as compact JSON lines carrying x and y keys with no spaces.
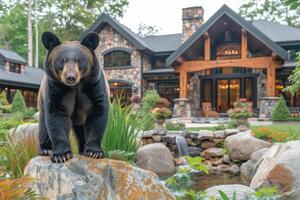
{"x":205,"y":181}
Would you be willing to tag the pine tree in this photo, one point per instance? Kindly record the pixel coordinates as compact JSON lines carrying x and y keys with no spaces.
{"x":280,"y":111}
{"x":18,"y":104}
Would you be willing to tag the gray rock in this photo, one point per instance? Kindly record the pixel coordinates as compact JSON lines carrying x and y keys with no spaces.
{"x":24,"y":131}
{"x":229,"y":132}
{"x":279,"y":167}
{"x":248,"y":169}
{"x":242,"y":145}
{"x":194,"y":151}
{"x":156,"y":138}
{"x":226,"y":159}
{"x":208,"y":144}
{"x":242,"y":192}
{"x":219,"y":134}
{"x":212,"y":153}
{"x":84,"y":178}
{"x":170,"y":139}
{"x":156,"y":158}
{"x":205,"y":135}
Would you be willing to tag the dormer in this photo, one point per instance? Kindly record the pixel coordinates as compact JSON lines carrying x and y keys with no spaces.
{"x":11,"y":61}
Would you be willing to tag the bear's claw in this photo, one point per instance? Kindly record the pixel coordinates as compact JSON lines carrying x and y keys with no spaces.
{"x":61,"y":158}
{"x":45,"y":152}
{"x":95,"y":154}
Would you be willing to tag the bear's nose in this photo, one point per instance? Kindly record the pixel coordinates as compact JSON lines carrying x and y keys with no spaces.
{"x":71,"y":79}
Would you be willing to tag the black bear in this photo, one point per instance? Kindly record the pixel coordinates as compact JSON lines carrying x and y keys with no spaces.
{"x":73,"y":95}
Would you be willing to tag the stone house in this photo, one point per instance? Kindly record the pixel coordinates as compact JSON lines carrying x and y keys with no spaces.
{"x":217,"y":61}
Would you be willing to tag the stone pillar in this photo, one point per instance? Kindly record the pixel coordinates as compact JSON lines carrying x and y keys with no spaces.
{"x":192,"y":19}
{"x":182,"y":108}
{"x":266,"y":106}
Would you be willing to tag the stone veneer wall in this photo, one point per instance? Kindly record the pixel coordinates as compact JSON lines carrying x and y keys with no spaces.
{"x":110,"y":38}
{"x":194,"y":94}
{"x":261,"y":85}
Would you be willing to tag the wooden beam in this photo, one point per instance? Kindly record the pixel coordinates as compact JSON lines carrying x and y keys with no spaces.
{"x":244,"y":44}
{"x":271,"y":78}
{"x":194,"y":66}
{"x":183,"y":84}
{"x":207,"y":47}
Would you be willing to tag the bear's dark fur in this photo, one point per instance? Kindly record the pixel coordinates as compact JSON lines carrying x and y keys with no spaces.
{"x":73,"y":95}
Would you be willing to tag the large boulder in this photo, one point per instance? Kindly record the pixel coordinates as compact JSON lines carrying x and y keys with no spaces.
{"x":156,"y":158}
{"x":242,"y":145}
{"x":249,"y":168}
{"x":24,"y":131}
{"x":84,"y":178}
{"x":242,"y":192}
{"x":280,"y":167}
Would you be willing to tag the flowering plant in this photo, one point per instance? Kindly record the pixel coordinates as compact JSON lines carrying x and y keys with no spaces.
{"x":162,"y":103}
{"x":242,"y":109}
{"x":270,"y":135}
{"x":135,"y":99}
{"x":162,"y":112}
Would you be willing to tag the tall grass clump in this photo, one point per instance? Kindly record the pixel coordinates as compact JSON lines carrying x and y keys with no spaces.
{"x":122,"y":130}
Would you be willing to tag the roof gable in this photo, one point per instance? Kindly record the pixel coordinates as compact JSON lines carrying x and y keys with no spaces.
{"x":133,"y":38}
{"x":225,"y":10}
{"x":12,"y":56}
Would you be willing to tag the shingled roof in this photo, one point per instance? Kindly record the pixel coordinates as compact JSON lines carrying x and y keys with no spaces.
{"x":163,"y":43}
{"x":277,"y":32}
{"x":30,"y":78}
{"x":11,"y":56}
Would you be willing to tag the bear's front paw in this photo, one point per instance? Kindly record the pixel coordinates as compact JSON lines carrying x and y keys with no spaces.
{"x":45,"y":152}
{"x":94,"y":154}
{"x":61,"y":158}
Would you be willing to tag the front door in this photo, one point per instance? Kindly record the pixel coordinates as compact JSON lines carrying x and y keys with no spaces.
{"x":228,"y":92}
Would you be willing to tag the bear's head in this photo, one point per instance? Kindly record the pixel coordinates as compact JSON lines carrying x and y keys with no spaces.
{"x":68,"y":62}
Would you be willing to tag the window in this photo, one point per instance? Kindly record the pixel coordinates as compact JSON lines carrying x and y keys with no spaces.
{"x":14,"y":68}
{"x":117,"y":58}
{"x":159,"y":61}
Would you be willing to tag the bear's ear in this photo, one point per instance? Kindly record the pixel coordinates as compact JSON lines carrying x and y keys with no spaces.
{"x":91,"y":41}
{"x":50,"y":40}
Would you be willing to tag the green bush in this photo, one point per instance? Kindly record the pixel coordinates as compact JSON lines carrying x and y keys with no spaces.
{"x":175,"y":126}
{"x":9,"y":122}
{"x":280,"y":111}
{"x":18,"y":104}
{"x":122,"y":130}
{"x":148,"y":103}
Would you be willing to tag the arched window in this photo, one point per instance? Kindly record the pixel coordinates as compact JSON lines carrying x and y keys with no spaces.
{"x":117,"y":58}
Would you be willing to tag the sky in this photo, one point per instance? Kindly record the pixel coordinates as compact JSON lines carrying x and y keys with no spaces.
{"x":166,"y":14}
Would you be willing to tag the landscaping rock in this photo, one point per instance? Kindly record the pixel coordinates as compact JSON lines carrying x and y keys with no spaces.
{"x":226,"y":159}
{"x":194,"y":151}
{"x":36,"y":116}
{"x":249,"y":168}
{"x":212,"y":153}
{"x":207,"y":144}
{"x":156,"y":138}
{"x":24,"y":131}
{"x":221,"y":169}
{"x":242,"y":192}
{"x":242,"y":145}
{"x":156,"y":158}
{"x":170,"y":139}
{"x":205,"y":135}
{"x":279,"y":167}
{"x":229,"y":132}
{"x":219,"y":134}
{"x":84,"y":178}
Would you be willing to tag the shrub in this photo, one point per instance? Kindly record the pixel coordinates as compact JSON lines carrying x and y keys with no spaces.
{"x":162,"y":113}
{"x":8,"y":123}
{"x":280,"y":111}
{"x":18,"y":104}
{"x":122,"y":130}
{"x":175,"y":126}
{"x":148,"y":103}
{"x":232,"y":124}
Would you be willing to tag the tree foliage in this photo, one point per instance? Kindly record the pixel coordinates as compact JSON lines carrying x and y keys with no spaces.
{"x":270,"y":10}
{"x":293,"y":4}
{"x":145,"y":30}
{"x":66,"y":18}
{"x":294,"y":78}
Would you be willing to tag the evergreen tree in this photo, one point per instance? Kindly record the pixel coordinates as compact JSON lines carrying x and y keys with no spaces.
{"x":280,"y":111}
{"x":18,"y":104}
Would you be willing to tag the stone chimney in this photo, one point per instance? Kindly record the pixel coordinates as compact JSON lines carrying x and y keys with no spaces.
{"x":192,"y":19}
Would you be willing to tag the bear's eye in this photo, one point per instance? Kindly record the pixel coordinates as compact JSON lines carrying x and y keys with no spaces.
{"x":78,"y":60}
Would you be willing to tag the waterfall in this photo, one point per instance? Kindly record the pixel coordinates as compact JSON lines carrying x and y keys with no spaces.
{"x":182,"y":146}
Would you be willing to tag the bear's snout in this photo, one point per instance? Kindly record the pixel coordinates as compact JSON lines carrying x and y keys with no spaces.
{"x":70,"y":74}
{"x":71,"y":79}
